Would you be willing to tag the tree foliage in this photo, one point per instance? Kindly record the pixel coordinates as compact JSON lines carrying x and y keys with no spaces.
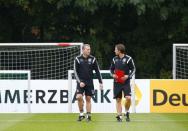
{"x":147,"y":27}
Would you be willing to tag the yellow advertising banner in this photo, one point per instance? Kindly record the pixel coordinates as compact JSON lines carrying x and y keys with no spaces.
{"x":169,"y":96}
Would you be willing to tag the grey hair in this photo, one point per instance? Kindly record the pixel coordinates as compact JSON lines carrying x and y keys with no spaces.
{"x":84,"y":45}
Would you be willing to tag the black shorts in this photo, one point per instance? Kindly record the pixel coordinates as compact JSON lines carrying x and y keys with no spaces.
{"x":88,"y":89}
{"x":119,"y":88}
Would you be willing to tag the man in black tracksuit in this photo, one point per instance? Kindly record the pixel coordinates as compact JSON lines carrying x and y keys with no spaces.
{"x":124,"y":65}
{"x":83,"y":69}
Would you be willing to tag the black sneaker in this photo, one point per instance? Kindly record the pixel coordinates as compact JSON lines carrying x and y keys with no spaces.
{"x":119,"y":119}
{"x":88,"y":119}
{"x":127,"y":117}
{"x":80,"y":118}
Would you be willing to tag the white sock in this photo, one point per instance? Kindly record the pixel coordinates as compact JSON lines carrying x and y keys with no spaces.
{"x":119,"y":114}
{"x":126,"y":111}
{"x":81,"y":114}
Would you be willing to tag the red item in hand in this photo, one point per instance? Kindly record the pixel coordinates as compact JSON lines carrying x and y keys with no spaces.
{"x":120,"y":74}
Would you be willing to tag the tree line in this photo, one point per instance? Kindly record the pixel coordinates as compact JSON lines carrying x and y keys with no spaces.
{"x":148,"y":28}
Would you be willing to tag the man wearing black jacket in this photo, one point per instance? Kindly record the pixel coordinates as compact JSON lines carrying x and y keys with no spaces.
{"x":122,"y":69}
{"x":83,"y":69}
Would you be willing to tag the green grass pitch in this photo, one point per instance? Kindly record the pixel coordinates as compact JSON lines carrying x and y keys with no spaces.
{"x":100,"y":122}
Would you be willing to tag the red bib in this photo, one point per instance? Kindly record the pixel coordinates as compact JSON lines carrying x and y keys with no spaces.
{"x":120,"y":74}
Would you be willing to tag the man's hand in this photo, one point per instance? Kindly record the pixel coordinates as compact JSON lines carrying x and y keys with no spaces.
{"x":124,"y":78}
{"x":100,"y":86}
{"x":82,"y":84}
{"x":114,"y":76}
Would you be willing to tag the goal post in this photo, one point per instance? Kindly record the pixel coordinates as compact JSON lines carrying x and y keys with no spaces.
{"x":12,"y":81}
{"x":46,"y":61}
{"x":180,"y":61}
{"x":107,"y":86}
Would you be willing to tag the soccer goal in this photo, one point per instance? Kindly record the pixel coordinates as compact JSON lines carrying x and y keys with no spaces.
{"x":180,"y":61}
{"x":102,"y":101}
{"x":41,"y":63}
{"x":15,"y":91}
{"x":46,"y":61}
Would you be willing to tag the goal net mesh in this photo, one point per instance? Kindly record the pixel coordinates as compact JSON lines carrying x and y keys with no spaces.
{"x":181,"y":66}
{"x":45,"y":61}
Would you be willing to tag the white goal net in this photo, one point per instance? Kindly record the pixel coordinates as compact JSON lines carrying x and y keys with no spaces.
{"x":46,"y":61}
{"x":180,"y":61}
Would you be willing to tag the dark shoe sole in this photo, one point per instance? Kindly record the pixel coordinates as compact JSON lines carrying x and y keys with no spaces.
{"x":127,"y":117}
{"x":80,"y":119}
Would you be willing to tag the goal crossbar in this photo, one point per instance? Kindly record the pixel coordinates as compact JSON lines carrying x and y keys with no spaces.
{"x":39,"y":44}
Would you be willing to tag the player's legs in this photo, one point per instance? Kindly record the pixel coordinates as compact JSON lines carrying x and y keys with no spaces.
{"x":118,"y":106}
{"x":79,"y":97}
{"x":119,"y":109}
{"x":80,"y":102}
{"x":88,"y":108}
{"x":88,"y":103}
{"x":118,"y":97}
{"x":127,"y":95}
{"x":128,"y":103}
{"x":89,"y":92}
{"x":80,"y":106}
{"x":127,"y":106}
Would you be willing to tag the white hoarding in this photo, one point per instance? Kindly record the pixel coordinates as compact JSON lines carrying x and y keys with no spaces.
{"x":13,"y":96}
{"x":51,"y":96}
